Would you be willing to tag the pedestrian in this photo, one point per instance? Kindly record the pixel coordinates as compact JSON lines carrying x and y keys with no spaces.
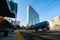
{"x":6,"y":33}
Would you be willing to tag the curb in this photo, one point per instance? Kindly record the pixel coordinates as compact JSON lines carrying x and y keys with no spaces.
{"x":19,"y":36}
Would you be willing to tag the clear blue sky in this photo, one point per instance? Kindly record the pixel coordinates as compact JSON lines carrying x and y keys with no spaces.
{"x":47,"y":9}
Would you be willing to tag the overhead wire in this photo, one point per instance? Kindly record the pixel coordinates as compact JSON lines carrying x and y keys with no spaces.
{"x":53,"y":2}
{"x":36,"y":2}
{"x":50,"y":8}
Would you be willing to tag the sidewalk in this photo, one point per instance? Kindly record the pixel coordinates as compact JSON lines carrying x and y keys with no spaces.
{"x":12,"y":36}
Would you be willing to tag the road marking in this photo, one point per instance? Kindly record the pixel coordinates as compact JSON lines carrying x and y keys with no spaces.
{"x":19,"y":36}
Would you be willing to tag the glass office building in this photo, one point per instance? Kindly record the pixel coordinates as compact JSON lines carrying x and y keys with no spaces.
{"x":32,"y":16}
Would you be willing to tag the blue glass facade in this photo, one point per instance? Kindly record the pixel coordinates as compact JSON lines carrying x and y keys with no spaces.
{"x":32,"y":16}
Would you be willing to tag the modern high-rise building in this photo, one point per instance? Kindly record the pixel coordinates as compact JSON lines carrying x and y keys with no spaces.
{"x":32,"y":16}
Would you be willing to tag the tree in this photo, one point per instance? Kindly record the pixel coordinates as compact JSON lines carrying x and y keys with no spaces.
{"x":17,"y":26}
{"x":23,"y":27}
{"x":32,"y":27}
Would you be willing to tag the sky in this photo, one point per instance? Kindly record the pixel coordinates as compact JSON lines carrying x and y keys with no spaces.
{"x":47,"y":9}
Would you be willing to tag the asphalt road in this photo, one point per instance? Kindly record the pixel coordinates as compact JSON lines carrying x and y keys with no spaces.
{"x":28,"y":36}
{"x":40,"y":35}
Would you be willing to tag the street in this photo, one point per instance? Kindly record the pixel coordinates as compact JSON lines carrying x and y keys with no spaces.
{"x":39,"y":36}
{"x":31,"y":37}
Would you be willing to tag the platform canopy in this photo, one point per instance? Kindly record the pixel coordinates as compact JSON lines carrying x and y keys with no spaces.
{"x":8,"y":8}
